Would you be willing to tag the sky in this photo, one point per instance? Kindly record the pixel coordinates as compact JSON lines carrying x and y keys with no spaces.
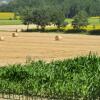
{"x":4,"y":1}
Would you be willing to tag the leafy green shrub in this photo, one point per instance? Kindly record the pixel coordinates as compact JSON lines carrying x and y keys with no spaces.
{"x":75,"y":31}
{"x":46,"y":30}
{"x":15,"y":74}
{"x":94,"y":32}
{"x":54,"y":30}
{"x":31,"y":30}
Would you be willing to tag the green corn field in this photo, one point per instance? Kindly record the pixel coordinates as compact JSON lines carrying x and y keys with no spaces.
{"x":77,"y":78}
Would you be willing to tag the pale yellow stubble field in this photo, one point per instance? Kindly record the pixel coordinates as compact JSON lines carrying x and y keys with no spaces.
{"x":43,"y":46}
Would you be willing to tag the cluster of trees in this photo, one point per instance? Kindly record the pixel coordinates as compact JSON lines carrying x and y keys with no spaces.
{"x":80,"y":20}
{"x":48,"y":16}
{"x":47,"y":12}
{"x":42,"y":17}
{"x":70,"y":7}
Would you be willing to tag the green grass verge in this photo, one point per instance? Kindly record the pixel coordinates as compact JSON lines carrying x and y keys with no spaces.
{"x":69,"y":20}
{"x":92,"y":21}
{"x":6,"y":15}
{"x":64,"y":80}
{"x":10,"y":22}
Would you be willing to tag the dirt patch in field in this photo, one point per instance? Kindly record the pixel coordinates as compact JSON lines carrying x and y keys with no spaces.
{"x":43,"y":46}
{"x":14,"y":27}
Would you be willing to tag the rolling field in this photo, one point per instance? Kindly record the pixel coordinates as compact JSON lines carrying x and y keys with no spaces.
{"x":10,"y":22}
{"x":5,"y":19}
{"x":6,"y":15}
{"x":91,"y":20}
{"x":8,"y":18}
{"x":43,"y":46}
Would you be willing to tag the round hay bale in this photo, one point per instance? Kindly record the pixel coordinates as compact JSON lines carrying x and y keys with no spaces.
{"x":1,"y":38}
{"x":14,"y":35}
{"x":22,"y":30}
{"x":18,"y":30}
{"x":58,"y":38}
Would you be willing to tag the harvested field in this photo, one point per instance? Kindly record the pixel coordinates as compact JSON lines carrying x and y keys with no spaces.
{"x":43,"y":46}
{"x":13,"y":27}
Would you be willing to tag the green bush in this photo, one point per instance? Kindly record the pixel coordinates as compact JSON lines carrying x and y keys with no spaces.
{"x":94,"y":32}
{"x":46,"y":30}
{"x":15,"y":74}
{"x":67,"y":79}
{"x":75,"y":31}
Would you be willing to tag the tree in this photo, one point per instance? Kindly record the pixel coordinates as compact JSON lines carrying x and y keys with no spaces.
{"x":57,"y":17}
{"x":71,"y":7}
{"x":80,"y":20}
{"x":41,"y":17}
{"x":26,"y":16}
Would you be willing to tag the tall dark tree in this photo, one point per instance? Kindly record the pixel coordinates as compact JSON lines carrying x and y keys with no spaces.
{"x":71,"y":7}
{"x":41,"y":17}
{"x":57,"y":17}
{"x":26,"y":16}
{"x":80,"y":20}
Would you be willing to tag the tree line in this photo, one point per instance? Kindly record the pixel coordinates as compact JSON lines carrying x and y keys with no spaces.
{"x":69,"y":7}
{"x":42,"y":17}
